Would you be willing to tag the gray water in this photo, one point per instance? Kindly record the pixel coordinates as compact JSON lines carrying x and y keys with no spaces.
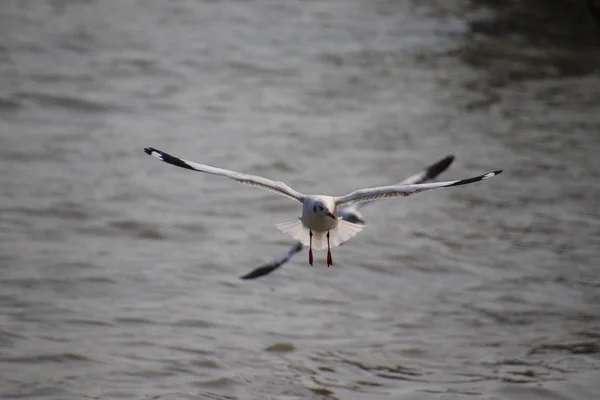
{"x":119,"y":274}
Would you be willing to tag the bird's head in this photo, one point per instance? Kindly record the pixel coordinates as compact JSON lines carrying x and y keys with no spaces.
{"x":320,"y":209}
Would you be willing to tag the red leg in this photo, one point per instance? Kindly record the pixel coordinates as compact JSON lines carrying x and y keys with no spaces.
{"x":310,"y":255}
{"x":329,"y":258}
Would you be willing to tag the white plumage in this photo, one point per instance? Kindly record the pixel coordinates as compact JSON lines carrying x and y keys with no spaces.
{"x":319,"y":226}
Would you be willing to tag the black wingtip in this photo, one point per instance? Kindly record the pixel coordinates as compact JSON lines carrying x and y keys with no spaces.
{"x":476,"y":178}
{"x":166,"y":157}
{"x":248,"y":276}
{"x":440,"y":166}
{"x":267,"y":269}
{"x":258,"y":272}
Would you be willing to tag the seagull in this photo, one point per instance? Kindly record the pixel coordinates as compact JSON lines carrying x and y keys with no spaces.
{"x":319,"y":227}
{"x":352,"y":214}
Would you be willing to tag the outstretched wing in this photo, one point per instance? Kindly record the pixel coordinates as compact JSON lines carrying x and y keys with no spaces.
{"x":273,"y":265}
{"x":258,"y":181}
{"x":427,"y":174}
{"x":383,"y":192}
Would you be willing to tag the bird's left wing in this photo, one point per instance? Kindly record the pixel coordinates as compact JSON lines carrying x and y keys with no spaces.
{"x":253,"y":180}
{"x":273,"y":265}
{"x":383,"y":192}
{"x":427,"y":174}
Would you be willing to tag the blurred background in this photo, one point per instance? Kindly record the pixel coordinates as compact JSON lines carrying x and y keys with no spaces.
{"x":119,"y":273}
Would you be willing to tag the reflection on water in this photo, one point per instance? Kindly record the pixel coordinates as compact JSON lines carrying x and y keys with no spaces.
{"x":533,"y":39}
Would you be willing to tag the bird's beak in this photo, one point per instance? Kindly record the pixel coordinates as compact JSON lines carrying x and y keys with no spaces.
{"x":331,"y":215}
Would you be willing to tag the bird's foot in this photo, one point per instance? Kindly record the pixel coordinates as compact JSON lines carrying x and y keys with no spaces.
{"x":329,"y":258}
{"x":310,"y":255}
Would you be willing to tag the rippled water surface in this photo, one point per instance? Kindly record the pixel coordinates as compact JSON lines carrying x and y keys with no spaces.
{"x":119,"y":274}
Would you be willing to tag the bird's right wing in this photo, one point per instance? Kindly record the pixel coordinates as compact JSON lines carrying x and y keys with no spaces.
{"x":253,"y":180}
{"x":273,"y":265}
{"x":427,"y":174}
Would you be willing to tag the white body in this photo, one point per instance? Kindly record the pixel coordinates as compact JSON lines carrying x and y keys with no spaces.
{"x":315,"y":222}
{"x":320,"y":223}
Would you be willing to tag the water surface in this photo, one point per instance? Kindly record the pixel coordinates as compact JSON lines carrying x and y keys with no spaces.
{"x":120,"y":273}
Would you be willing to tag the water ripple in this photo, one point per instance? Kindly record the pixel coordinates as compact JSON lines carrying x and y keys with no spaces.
{"x":74,"y":103}
{"x":119,"y":273}
{"x":47,"y":358}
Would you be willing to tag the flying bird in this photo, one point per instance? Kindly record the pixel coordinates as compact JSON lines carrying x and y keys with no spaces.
{"x":352,"y":214}
{"x":319,"y":227}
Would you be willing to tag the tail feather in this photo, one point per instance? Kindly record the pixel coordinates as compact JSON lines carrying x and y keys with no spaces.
{"x":338,"y":235}
{"x":343,"y":231}
{"x":295,"y":229}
